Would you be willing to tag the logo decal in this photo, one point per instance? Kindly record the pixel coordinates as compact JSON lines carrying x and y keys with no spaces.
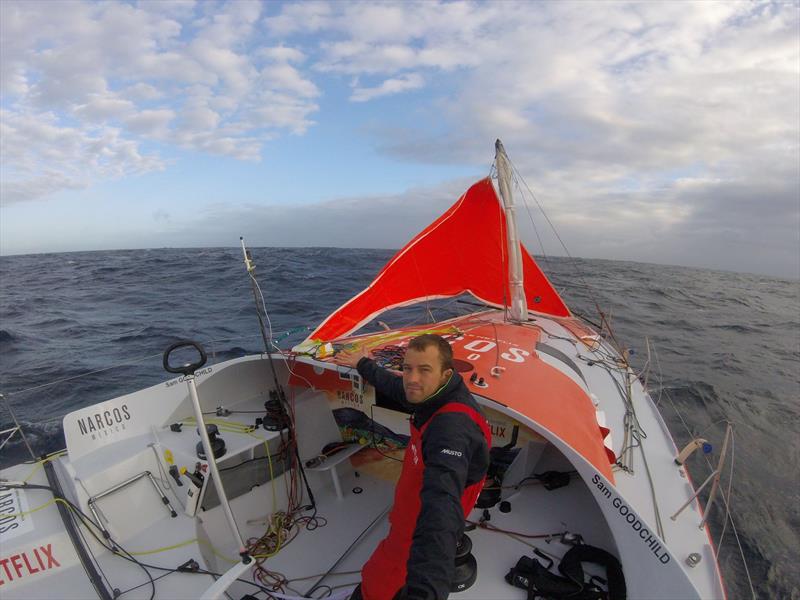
{"x":17,"y":566}
{"x":105,"y":423}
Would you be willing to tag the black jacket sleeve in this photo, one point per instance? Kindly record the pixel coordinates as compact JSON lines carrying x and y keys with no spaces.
{"x":384,"y":382}
{"x":449,"y":443}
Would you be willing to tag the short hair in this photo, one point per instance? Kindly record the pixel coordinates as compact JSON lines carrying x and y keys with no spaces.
{"x":426,"y":340}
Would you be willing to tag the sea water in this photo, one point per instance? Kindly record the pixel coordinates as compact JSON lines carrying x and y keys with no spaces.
{"x":723,"y":346}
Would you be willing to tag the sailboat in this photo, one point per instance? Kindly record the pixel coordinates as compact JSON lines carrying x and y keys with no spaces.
{"x":272,"y":475}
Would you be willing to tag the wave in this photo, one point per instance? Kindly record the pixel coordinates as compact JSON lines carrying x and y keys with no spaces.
{"x":739,"y":327}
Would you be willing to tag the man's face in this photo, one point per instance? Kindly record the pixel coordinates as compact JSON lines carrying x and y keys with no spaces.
{"x":422,"y":373}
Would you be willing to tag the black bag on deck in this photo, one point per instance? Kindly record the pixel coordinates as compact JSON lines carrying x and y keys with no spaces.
{"x":531,"y":575}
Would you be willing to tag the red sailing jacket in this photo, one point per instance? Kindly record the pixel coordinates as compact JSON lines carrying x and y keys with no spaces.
{"x":425,"y":525}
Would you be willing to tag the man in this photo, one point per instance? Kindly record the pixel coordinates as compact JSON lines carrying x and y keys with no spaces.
{"x":443,"y":471}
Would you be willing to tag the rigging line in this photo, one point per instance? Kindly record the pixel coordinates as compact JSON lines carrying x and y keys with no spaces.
{"x":728,"y":494}
{"x":413,"y":320}
{"x":115,"y":366}
{"x":541,"y":208}
{"x":653,"y":493}
{"x":660,"y":377}
{"x":422,"y":283}
{"x":714,"y":424}
{"x":94,"y":558}
{"x":272,"y":342}
{"x":724,"y":500}
{"x":741,"y":555}
{"x":347,"y":551}
{"x":678,"y":412}
{"x":267,"y":342}
{"x":591,"y":290}
{"x":143,"y":584}
{"x":44,"y":385}
{"x":533,"y":224}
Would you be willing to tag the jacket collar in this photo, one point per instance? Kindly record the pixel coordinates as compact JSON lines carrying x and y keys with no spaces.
{"x":424,"y":410}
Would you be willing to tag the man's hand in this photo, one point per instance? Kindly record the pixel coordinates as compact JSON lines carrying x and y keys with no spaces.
{"x":349,"y":357}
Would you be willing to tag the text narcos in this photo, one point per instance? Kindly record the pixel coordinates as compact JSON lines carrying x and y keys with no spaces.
{"x":24,"y":564}
{"x":631,"y":519}
{"x":104,"y":422}
{"x":8,"y":512}
{"x":478,"y":347}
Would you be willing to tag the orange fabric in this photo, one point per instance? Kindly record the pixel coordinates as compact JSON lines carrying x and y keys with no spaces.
{"x":534,"y":388}
{"x":464,"y":250}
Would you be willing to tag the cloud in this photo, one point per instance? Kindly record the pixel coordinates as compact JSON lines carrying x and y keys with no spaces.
{"x":380,"y":221}
{"x":186,"y":75}
{"x":653,"y":122}
{"x":152,"y":123}
{"x":41,"y":156}
{"x":697,"y":227}
{"x":396,"y":85}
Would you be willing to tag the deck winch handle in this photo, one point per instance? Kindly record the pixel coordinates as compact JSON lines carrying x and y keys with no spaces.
{"x":189,"y":368}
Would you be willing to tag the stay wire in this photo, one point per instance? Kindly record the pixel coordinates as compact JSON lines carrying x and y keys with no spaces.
{"x":533,"y":224}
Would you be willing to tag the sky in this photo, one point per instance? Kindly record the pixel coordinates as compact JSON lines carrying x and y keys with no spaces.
{"x":665,"y":132}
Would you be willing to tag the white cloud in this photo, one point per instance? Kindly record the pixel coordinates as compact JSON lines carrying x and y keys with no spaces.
{"x":141,"y":91}
{"x":396,"y":85}
{"x":153,"y":123}
{"x":611,"y":111}
{"x":41,"y":156}
{"x":103,"y":107}
{"x":300,"y":16}
{"x":193,"y":75}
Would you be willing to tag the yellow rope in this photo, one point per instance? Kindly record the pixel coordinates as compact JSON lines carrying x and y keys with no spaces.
{"x":165,"y":548}
{"x":275,"y":521}
{"x":33,"y":510}
{"x":229,"y":426}
{"x":217,"y":553}
{"x":374,"y":340}
{"x":140,"y":552}
{"x":40,"y":464}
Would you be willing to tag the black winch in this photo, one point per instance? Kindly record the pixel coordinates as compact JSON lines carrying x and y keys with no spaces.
{"x":466,"y":566}
{"x":217,"y":443}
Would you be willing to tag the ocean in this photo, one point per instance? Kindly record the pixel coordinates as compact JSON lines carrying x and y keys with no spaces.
{"x":723,"y":346}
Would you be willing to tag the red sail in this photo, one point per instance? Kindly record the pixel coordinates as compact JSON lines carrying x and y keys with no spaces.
{"x":464,"y":250}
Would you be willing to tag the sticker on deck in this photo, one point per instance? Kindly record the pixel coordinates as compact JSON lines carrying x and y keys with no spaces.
{"x":13,"y":520}
{"x":47,"y":557}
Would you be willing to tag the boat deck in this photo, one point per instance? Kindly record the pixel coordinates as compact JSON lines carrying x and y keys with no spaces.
{"x":354,"y":526}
